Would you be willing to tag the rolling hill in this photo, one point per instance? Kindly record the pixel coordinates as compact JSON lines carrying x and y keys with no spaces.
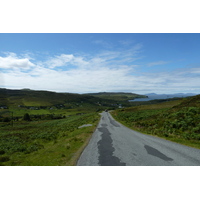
{"x":117,"y":96}
{"x":28,"y":98}
{"x":37,"y":98}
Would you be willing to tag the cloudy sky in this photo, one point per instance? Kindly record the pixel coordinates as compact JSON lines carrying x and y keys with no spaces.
{"x":110,"y":62}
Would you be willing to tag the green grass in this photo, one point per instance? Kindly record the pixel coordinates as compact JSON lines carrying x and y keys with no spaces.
{"x":46,"y":142}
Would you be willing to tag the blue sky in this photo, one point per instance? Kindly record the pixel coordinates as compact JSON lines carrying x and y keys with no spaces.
{"x":97,"y":62}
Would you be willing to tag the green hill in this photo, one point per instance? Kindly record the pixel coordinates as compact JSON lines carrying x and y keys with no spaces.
{"x":36,"y":98}
{"x":26,"y":97}
{"x":189,"y":102}
{"x":117,"y":96}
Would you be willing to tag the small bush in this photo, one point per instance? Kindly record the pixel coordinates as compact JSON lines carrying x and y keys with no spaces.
{"x":68,"y":146}
{"x":34,"y":147}
{"x":6,"y":119}
{"x":26,"y":117}
{"x":4,"y":159}
{"x":2,"y":152}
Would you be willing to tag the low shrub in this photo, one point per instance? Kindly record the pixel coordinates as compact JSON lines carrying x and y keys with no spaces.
{"x":2,"y":152}
{"x":4,"y":158}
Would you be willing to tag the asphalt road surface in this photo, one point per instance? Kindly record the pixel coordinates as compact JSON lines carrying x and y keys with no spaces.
{"x":113,"y":144}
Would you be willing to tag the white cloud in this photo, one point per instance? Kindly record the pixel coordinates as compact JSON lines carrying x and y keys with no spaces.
{"x":120,"y":57}
{"x":58,"y":61}
{"x":195,"y":71}
{"x":14,"y":62}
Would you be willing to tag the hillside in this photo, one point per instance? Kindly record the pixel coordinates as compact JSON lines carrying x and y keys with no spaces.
{"x":189,"y":102}
{"x":118,"y":96}
{"x":36,"y":98}
{"x":26,"y":97}
{"x":176,"y":120}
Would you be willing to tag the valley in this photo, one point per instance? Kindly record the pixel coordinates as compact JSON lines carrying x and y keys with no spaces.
{"x":43,"y":128}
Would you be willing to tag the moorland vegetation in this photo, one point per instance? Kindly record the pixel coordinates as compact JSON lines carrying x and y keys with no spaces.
{"x":177,"y":120}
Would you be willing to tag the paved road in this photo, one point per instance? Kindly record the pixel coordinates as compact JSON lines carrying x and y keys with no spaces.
{"x":113,"y":144}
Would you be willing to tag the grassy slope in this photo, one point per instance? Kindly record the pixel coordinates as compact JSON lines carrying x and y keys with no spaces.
{"x":46,"y":143}
{"x":175,"y":120}
{"x":38,"y":98}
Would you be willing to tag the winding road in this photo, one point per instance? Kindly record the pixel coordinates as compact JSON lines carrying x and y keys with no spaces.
{"x":113,"y":144}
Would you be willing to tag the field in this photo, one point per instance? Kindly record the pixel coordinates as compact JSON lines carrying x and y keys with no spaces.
{"x":45,"y":142}
{"x":177,"y":121}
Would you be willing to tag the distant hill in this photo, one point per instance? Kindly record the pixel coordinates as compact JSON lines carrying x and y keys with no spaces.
{"x":118,"y":96}
{"x":193,"y":101}
{"x":40,"y":98}
{"x":28,"y":98}
{"x":154,"y":96}
{"x":175,"y":94}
